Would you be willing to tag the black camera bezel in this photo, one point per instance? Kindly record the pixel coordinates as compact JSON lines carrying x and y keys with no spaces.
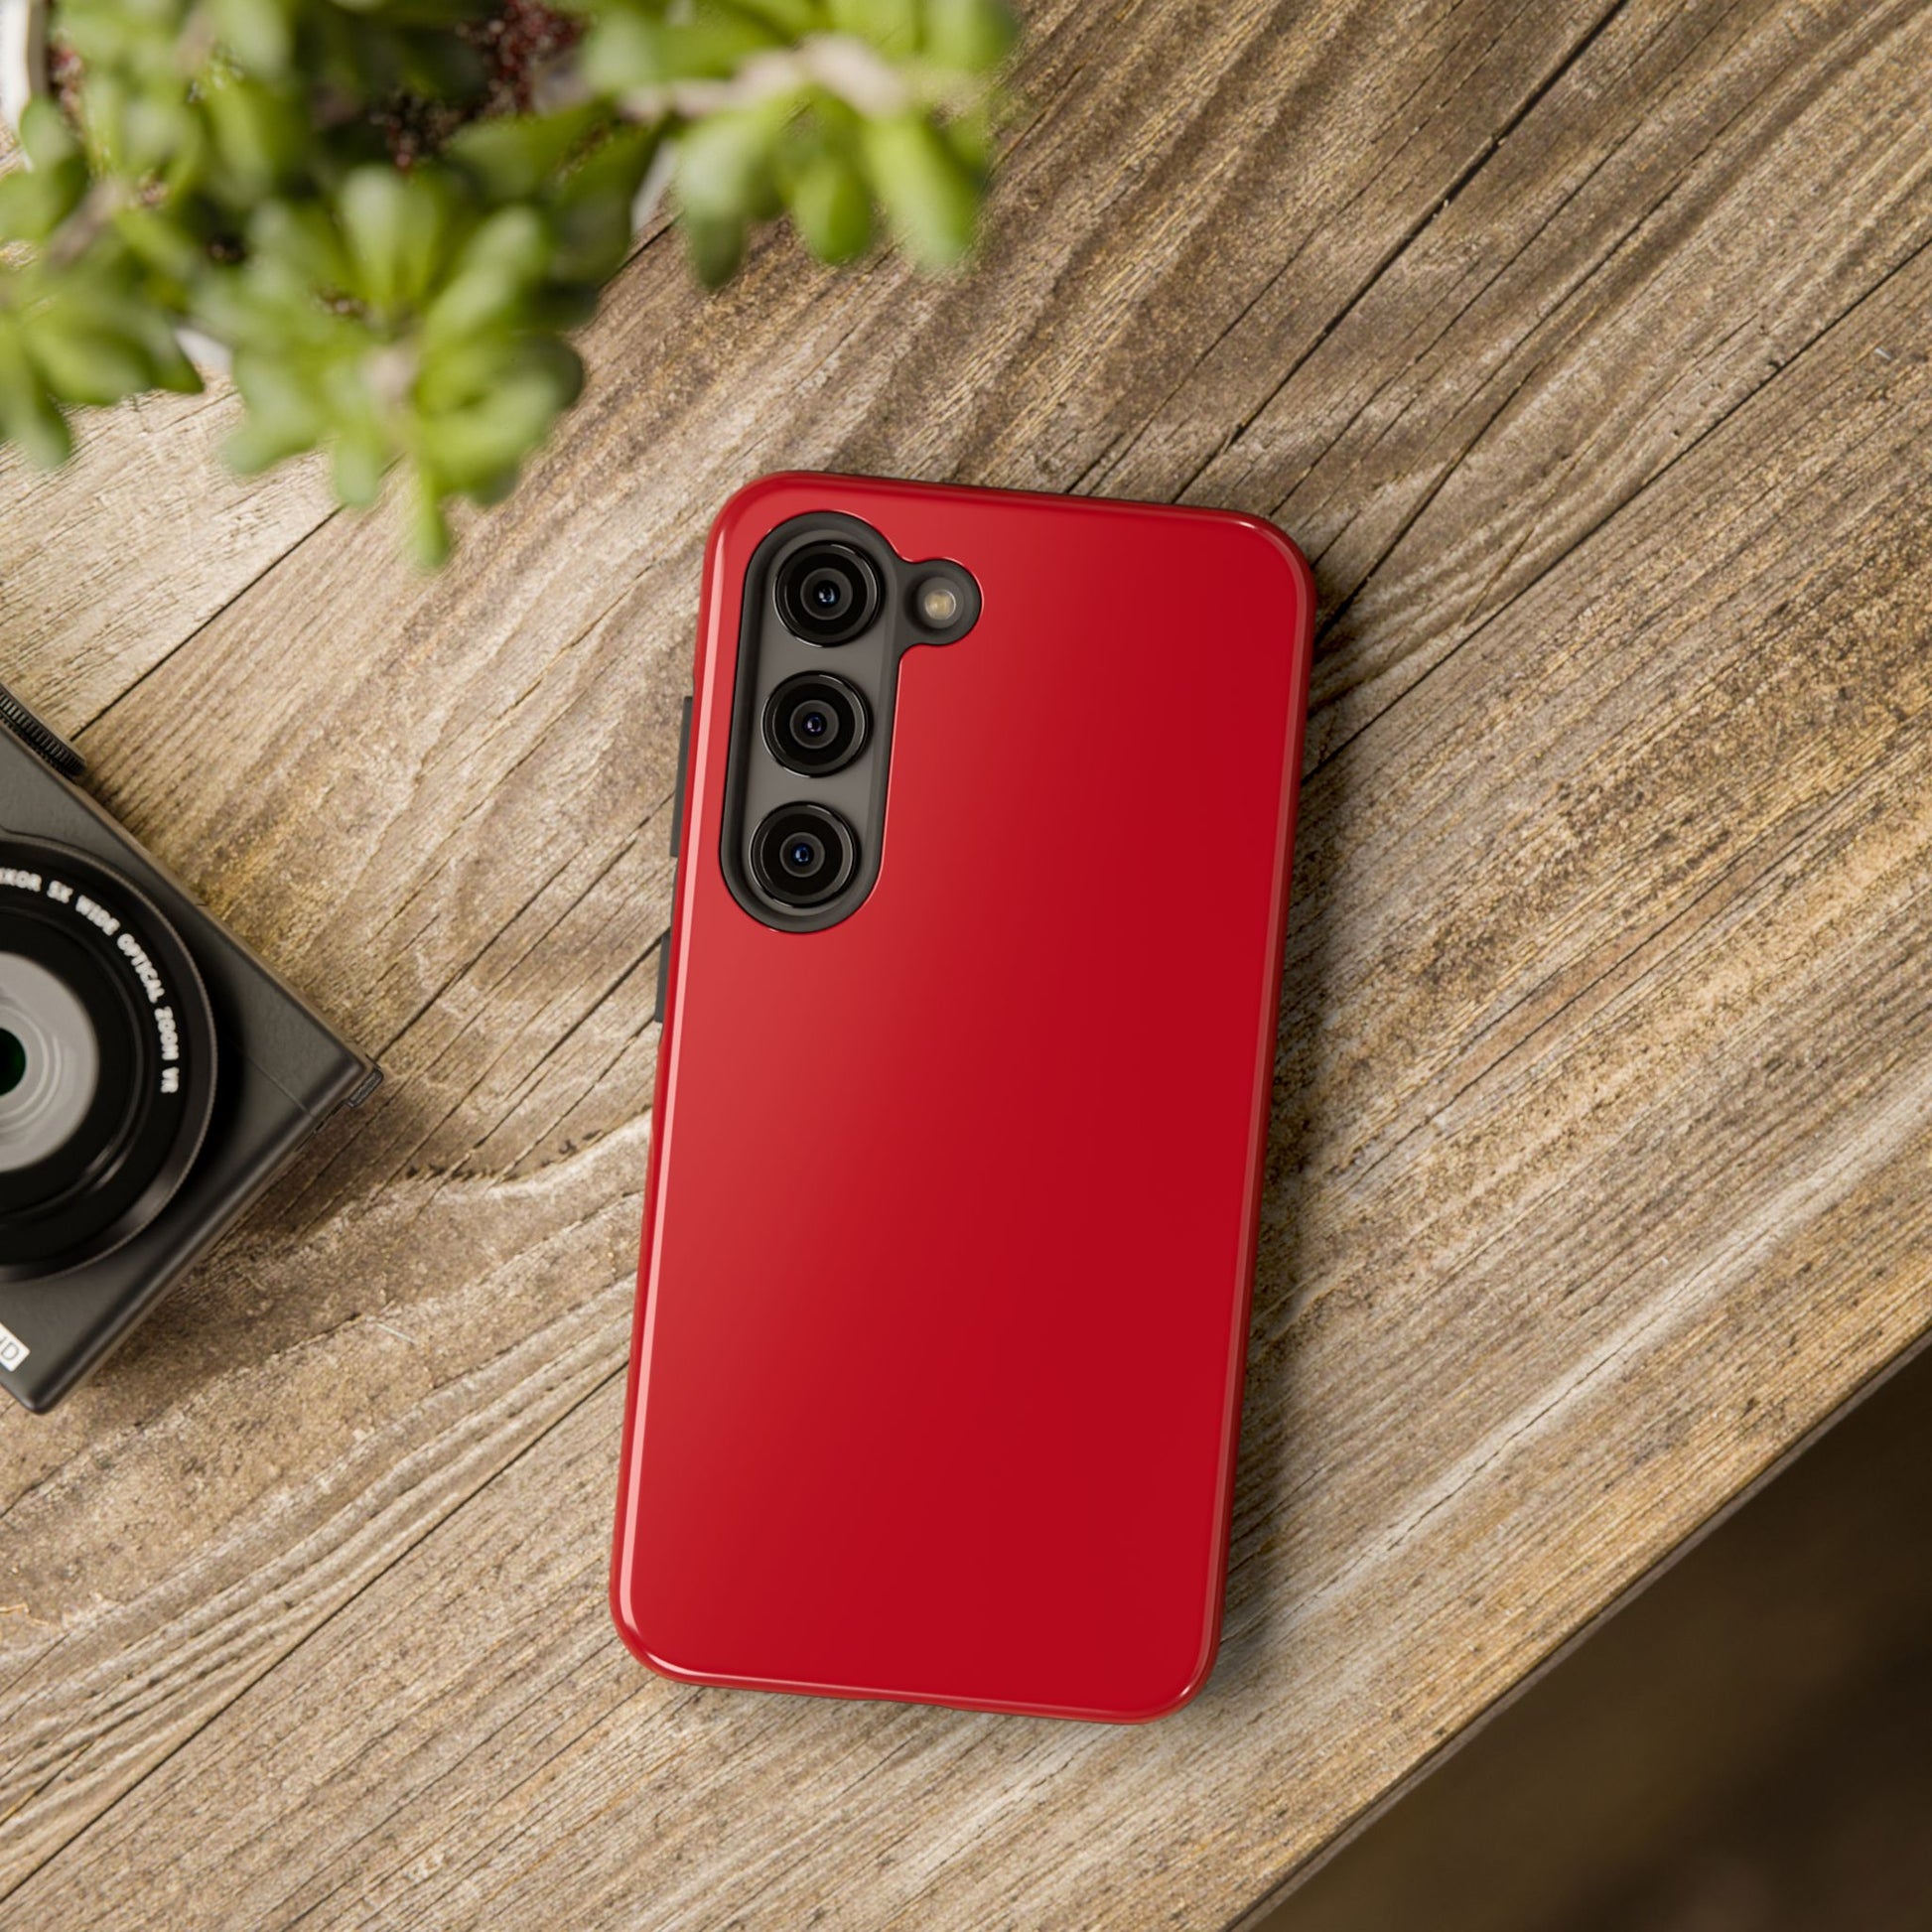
{"x":771,"y":882}
{"x":771,"y":654}
{"x":787,"y":754}
{"x":824,"y":554}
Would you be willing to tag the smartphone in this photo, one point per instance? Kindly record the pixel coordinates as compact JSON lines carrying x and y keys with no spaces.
{"x":969,"y":1023}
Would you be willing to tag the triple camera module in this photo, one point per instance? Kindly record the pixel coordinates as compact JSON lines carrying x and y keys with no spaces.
{"x":830,"y":609}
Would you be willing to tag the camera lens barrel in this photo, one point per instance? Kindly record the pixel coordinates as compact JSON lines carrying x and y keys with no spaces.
{"x":828,"y":592}
{"x":803,"y":856}
{"x":817,"y":724}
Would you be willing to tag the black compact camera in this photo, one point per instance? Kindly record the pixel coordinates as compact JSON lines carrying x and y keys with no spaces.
{"x":154,"y":1075}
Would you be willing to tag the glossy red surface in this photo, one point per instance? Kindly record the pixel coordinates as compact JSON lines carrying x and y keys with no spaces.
{"x":951,"y":1212}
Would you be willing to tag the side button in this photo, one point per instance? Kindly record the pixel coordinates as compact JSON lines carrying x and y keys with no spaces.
{"x":677,"y":797}
{"x":677,"y":844}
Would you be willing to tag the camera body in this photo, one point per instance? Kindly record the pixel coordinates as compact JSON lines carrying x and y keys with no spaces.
{"x":154,"y":1075}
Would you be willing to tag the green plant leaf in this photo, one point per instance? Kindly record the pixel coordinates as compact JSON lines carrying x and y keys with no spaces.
{"x":45,"y":135}
{"x":622,"y":50}
{"x":34,"y":201}
{"x":591,"y":205}
{"x":398,"y":229}
{"x":716,"y":246}
{"x":783,"y":20}
{"x":159,"y":242}
{"x":27,"y":413}
{"x":253,"y":134}
{"x":724,"y":163}
{"x":925,"y":189}
{"x":80,"y":364}
{"x":513,"y":157}
{"x":502,"y":265}
{"x":429,"y":529}
{"x":833,"y":208}
{"x":890,"y":23}
{"x":972,"y":36}
{"x":360,"y":460}
{"x":259,"y":32}
{"x":284,"y":410}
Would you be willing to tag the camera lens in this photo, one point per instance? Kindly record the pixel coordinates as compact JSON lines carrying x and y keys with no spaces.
{"x":815,"y":724}
{"x":50,"y":1063}
{"x":828,"y":592}
{"x":108,"y":1060}
{"x":803,"y":856}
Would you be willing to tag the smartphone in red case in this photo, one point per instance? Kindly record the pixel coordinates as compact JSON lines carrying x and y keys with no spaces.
{"x":969,"y":1032}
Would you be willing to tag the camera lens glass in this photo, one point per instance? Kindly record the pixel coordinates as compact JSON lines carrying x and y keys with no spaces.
{"x":106,"y":1060}
{"x":815,"y":724}
{"x":828,"y":592}
{"x":803,"y":855}
{"x":50,"y":1063}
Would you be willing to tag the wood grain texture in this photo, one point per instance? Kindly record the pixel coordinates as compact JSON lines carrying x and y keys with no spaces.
{"x":1584,"y":346}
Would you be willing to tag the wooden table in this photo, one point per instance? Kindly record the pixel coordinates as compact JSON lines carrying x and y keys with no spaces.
{"x":1586,"y":348}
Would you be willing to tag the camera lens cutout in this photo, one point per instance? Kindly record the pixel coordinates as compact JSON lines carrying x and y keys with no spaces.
{"x":815,"y":724}
{"x":803,"y":856}
{"x":828,"y":592}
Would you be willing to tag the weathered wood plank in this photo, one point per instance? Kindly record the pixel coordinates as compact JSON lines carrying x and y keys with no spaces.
{"x":1599,"y":1003}
{"x":133,"y":547}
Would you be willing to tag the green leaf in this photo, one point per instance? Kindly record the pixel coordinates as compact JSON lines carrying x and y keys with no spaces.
{"x":503,"y":261}
{"x":361,"y":458}
{"x":514,"y":156}
{"x":253,"y":446}
{"x":253,"y":134}
{"x":789,"y":19}
{"x":622,"y":50}
{"x":515,"y":242}
{"x":45,"y":134}
{"x":398,"y":229}
{"x":82,"y":365}
{"x":302,"y":239}
{"x":591,"y":205}
{"x":34,"y":201}
{"x":725,"y":162}
{"x":890,"y":24}
{"x":167,"y":365}
{"x":256,"y":32}
{"x":628,"y":48}
{"x":26,"y":412}
{"x":439,"y":67}
{"x":429,"y":529}
{"x":832,"y":208}
{"x":716,"y":245}
{"x":157,"y":241}
{"x":284,"y":411}
{"x":924,"y":188}
{"x":973,"y":36}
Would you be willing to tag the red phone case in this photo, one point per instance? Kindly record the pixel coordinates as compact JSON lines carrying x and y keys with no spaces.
{"x":950,"y":1222}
